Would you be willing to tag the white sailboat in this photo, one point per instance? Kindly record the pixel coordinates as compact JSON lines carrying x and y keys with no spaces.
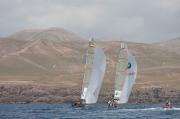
{"x":126,"y":72}
{"x":94,"y":73}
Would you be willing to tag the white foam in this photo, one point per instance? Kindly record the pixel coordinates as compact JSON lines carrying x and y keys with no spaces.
{"x":166,"y":109}
{"x":150,"y":109}
{"x":144,"y":109}
{"x":176,"y":108}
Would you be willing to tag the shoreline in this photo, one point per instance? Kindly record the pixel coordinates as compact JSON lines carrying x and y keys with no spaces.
{"x":10,"y":93}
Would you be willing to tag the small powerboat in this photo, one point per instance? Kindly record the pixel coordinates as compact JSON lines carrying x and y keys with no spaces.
{"x":167,"y":105}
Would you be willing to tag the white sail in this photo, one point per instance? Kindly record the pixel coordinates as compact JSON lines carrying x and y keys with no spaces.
{"x":130,"y":79}
{"x":120,"y":75}
{"x":126,"y":71}
{"x":94,"y":73}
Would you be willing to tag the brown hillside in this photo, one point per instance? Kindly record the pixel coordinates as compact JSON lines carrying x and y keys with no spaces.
{"x":55,"y":57}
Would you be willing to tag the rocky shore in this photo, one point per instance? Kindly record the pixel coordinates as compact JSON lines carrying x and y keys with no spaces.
{"x":45,"y":94}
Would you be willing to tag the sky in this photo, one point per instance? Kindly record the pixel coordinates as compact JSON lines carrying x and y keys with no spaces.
{"x":131,"y":20}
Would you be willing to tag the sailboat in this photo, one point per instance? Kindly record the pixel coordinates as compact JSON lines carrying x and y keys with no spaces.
{"x":126,"y":72}
{"x":94,"y":72}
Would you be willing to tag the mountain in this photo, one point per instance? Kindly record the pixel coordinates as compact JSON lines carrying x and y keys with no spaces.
{"x":48,"y":54}
{"x":37,"y":63}
{"x":54,"y":34}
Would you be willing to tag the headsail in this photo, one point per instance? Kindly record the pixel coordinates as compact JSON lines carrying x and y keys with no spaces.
{"x":130,"y":79}
{"x":94,"y":73}
{"x":126,"y":72}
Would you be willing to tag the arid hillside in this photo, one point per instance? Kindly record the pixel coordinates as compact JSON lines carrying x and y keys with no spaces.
{"x":37,"y":61}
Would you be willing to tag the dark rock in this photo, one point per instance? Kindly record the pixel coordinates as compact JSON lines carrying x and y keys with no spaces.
{"x":28,"y":93}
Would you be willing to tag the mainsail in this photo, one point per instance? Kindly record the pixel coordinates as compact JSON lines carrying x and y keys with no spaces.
{"x":127,"y":75}
{"x":94,"y":73}
{"x":120,"y":72}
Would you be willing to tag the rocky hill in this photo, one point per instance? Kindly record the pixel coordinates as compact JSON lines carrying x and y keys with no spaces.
{"x":47,"y":66}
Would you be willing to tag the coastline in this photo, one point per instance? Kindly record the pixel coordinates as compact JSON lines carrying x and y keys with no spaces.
{"x":22,"y":94}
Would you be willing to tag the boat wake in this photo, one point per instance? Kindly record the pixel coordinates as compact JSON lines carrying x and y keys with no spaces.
{"x":142,"y":109}
{"x":171,"y":109}
{"x":176,"y":108}
{"x":149,"y":109}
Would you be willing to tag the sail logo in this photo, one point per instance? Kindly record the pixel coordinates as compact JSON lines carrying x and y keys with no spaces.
{"x":117,"y":93}
{"x":129,"y":65}
{"x":131,"y":73}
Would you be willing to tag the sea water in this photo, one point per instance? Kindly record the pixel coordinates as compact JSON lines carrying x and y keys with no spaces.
{"x":95,"y":111}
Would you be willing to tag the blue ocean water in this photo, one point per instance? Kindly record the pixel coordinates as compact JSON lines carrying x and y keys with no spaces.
{"x":96,"y":111}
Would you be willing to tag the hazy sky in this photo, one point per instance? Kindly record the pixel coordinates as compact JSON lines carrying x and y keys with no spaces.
{"x":134,"y":20}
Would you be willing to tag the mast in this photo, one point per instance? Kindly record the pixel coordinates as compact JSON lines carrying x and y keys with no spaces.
{"x":88,"y":67}
{"x":94,"y":73}
{"x":120,"y":71}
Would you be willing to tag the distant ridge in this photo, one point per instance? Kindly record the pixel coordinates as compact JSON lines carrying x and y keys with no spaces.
{"x":170,"y":41}
{"x":172,"y":45}
{"x":109,"y":39}
{"x":54,"y":34}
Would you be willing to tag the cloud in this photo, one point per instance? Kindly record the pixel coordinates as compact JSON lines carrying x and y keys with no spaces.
{"x":134,"y":20}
